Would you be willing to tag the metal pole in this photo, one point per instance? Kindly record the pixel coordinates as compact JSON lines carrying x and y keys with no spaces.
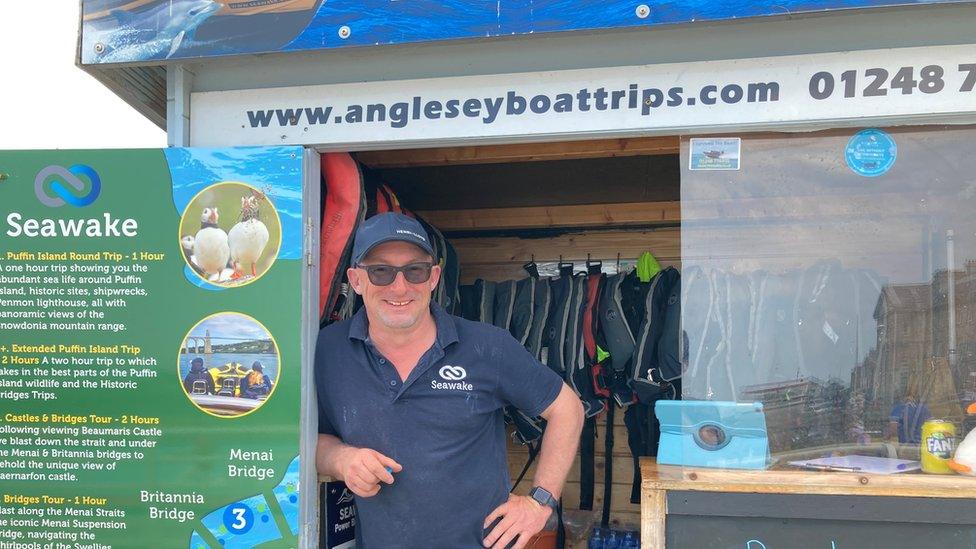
{"x":951,"y":282}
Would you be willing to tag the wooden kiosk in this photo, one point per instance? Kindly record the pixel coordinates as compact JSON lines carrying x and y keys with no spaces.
{"x":607,"y":183}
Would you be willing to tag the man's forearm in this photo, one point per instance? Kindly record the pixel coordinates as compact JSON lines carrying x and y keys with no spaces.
{"x":326,"y":452}
{"x":564,"y":421}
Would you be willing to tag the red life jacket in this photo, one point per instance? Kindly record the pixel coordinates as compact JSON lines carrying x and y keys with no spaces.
{"x":344,"y":208}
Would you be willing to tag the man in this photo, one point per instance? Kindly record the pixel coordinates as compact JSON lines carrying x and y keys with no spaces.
{"x":256,"y":384}
{"x":907,"y":418}
{"x":410,"y":408}
{"x":200,"y":374}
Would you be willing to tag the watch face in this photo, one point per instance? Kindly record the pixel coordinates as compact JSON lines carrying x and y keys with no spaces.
{"x":541,"y":495}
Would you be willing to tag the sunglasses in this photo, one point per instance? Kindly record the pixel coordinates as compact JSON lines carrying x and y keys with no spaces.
{"x":384,"y":275}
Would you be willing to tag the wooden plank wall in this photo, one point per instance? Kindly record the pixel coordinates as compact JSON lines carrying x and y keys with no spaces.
{"x":501,"y":258}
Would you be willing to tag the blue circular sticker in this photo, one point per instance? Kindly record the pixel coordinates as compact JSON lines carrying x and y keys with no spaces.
{"x":871,"y":153}
{"x":238,"y":518}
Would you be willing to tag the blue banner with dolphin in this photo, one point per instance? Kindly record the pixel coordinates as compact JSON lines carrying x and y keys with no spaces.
{"x":125,"y":31}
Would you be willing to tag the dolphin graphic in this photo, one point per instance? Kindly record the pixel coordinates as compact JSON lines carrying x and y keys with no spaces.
{"x":195,"y":17}
{"x":154,"y":31}
{"x":118,"y":31}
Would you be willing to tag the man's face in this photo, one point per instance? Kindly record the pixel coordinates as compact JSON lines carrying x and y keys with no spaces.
{"x":401,"y":304}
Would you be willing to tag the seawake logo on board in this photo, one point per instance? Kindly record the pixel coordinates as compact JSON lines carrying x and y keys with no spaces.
{"x":56,"y":186}
{"x":59,"y":177}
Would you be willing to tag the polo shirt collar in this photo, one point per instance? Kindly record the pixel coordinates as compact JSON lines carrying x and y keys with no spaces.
{"x":446,"y":330}
{"x":359,"y":325}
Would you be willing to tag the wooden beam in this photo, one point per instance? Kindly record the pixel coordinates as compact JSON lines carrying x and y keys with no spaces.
{"x":523,"y":152}
{"x":584,"y":215}
{"x":668,"y":477}
{"x":654,"y":510}
{"x":878,"y":209}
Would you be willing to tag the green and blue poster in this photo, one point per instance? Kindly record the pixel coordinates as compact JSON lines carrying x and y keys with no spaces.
{"x":151,"y":348}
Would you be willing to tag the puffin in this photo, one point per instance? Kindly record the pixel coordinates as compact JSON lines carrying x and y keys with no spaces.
{"x":247,"y":238}
{"x":210,"y":248}
{"x":964,"y":460}
{"x":186,"y":243}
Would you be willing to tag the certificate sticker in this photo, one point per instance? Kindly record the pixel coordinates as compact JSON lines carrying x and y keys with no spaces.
{"x":871,"y":153}
{"x":715,"y":153}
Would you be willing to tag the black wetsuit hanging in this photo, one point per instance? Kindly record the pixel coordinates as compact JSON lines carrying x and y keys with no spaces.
{"x":648,"y":310}
{"x":656,"y":360}
{"x":573,"y":362}
{"x":504,"y":303}
{"x":542,"y":307}
{"x":619,"y":339}
{"x":585,"y":383}
{"x":485,"y":298}
{"x":469,"y":302}
{"x":554,"y":339}
{"x":577,"y":373}
{"x":452,"y":275}
{"x":523,"y":309}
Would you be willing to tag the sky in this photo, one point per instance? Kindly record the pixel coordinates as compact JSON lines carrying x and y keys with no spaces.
{"x":231,"y":325}
{"x":46,"y":102}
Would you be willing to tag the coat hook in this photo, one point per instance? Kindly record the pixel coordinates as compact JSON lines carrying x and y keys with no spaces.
{"x":618,"y":262}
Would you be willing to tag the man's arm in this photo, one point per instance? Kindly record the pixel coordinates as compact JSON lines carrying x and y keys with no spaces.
{"x":560,"y":441}
{"x":522,"y":516}
{"x":361,"y":469}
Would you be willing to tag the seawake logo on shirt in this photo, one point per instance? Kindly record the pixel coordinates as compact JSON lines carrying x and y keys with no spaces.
{"x":454,"y":376}
{"x":452,"y":373}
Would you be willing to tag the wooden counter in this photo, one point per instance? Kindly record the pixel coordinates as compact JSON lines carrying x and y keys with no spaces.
{"x":658,"y":480}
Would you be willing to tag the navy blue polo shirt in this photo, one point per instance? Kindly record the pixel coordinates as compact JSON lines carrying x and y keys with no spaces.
{"x":444,"y":425}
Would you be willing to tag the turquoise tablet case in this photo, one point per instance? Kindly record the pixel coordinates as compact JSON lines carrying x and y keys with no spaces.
{"x":712,"y":434}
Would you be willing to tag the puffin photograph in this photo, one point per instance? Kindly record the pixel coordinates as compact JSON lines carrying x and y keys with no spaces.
{"x":186,"y":244}
{"x":247,"y":238}
{"x":229,"y":250}
{"x":210,"y":248}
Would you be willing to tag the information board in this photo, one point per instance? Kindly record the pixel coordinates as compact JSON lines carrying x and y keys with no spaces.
{"x":151,"y":348}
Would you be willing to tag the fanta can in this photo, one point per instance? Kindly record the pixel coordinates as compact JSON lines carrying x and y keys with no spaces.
{"x":938,"y":441}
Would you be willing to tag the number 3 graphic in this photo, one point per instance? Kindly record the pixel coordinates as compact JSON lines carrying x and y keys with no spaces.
{"x":240,"y":522}
{"x":238,"y":518}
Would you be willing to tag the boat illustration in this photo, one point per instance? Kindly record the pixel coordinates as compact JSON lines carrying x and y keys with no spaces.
{"x":225,"y":405}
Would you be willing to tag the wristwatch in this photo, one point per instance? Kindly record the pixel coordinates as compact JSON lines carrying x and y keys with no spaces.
{"x":543,"y":497}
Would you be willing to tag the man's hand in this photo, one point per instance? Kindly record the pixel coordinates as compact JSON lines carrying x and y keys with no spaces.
{"x":363,"y":470}
{"x":520,"y":516}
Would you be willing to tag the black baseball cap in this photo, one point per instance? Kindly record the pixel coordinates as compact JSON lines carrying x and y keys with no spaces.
{"x":389,"y":227}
